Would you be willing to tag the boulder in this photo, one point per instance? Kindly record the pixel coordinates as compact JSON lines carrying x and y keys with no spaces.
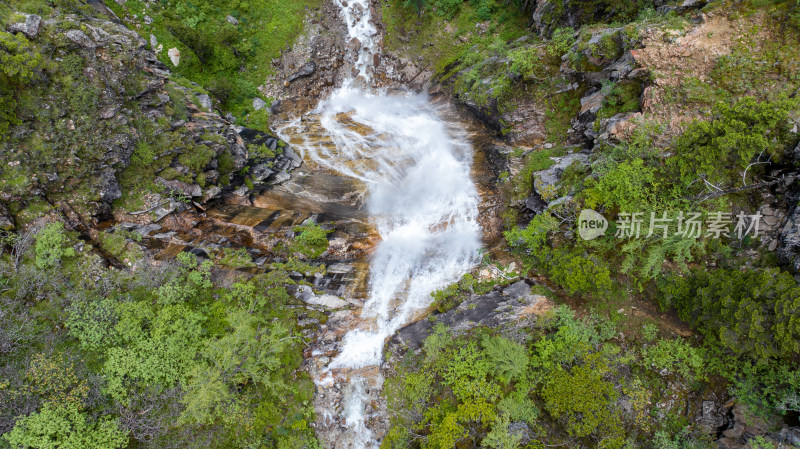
{"x":108,"y":186}
{"x":211,"y":192}
{"x":261,"y":172}
{"x":259,"y":104}
{"x":205,"y":101}
{"x":514,"y":304}
{"x":621,"y":126}
{"x":174,"y":56}
{"x":80,"y":39}
{"x":180,"y":187}
{"x":165,"y":209}
{"x":6,"y":219}
{"x":306,"y":294}
{"x":145,"y":230}
{"x":232,"y":20}
{"x":305,"y":70}
{"x":30,"y":27}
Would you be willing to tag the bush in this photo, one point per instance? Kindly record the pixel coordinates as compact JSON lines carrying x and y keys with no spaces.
{"x":751,"y":313}
{"x":311,"y":240}
{"x":20,"y":63}
{"x":62,"y":427}
{"x":719,"y":150}
{"x":51,"y":245}
{"x":677,"y":356}
{"x":630,"y":186}
{"x":222,"y":89}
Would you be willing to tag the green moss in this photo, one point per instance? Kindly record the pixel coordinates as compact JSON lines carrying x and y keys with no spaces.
{"x":560,"y":110}
{"x":310,"y":240}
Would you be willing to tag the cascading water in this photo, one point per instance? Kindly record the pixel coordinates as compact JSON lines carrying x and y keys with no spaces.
{"x":421,"y":200}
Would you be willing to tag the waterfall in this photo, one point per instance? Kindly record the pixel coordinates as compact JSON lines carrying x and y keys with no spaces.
{"x":420,"y":198}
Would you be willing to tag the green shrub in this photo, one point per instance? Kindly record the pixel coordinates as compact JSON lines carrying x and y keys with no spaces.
{"x":630,"y":186}
{"x":621,"y":98}
{"x":586,"y":402}
{"x":719,"y":150}
{"x":20,"y":64}
{"x":561,"y":42}
{"x":753,"y":312}
{"x":677,"y":356}
{"x":51,"y":245}
{"x":310,"y":240}
{"x":59,"y":427}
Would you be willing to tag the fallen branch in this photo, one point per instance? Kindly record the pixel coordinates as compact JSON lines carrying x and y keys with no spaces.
{"x":717,"y":194}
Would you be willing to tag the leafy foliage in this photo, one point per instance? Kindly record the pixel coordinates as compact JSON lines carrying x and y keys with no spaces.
{"x":65,"y":427}
{"x":678,"y":356}
{"x":720,"y":149}
{"x":570,"y":269}
{"x":467,"y":390}
{"x":753,"y":312}
{"x":20,"y":63}
{"x":51,"y":245}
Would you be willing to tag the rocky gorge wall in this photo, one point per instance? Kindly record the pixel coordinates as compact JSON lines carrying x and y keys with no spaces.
{"x":106,"y":130}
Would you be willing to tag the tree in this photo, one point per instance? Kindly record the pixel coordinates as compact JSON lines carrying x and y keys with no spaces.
{"x":417,"y":5}
{"x":249,"y":353}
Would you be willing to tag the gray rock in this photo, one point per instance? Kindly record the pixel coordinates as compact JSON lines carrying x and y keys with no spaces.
{"x":513,"y":304}
{"x":261,"y":172}
{"x":6,"y":220}
{"x":180,"y":187}
{"x":30,"y":27}
{"x":305,"y":70}
{"x":166,"y":209}
{"x":145,"y":230}
{"x":259,"y":104}
{"x":591,"y":104}
{"x":791,"y":435}
{"x":789,"y":251}
{"x":108,"y":186}
{"x":279,"y":177}
{"x":80,"y":38}
{"x":296,"y":160}
{"x":306,"y":294}
{"x":689,"y":4}
{"x":211,"y":192}
{"x":550,"y":177}
{"x":205,"y":101}
{"x":232,"y":20}
{"x":108,"y":113}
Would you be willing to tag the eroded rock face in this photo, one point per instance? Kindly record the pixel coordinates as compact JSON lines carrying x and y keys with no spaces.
{"x":513,"y":304}
{"x":128,"y":109}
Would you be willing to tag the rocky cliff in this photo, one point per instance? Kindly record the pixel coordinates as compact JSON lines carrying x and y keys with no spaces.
{"x":105,"y":129}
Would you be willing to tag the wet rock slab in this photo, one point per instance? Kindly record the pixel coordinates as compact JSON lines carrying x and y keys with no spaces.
{"x":512,"y":304}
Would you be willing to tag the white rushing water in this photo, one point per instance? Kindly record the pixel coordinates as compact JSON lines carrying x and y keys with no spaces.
{"x":420,"y":198}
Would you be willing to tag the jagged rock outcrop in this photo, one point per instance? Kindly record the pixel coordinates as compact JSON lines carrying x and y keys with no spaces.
{"x":506,"y":305}
{"x":110,"y":125}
